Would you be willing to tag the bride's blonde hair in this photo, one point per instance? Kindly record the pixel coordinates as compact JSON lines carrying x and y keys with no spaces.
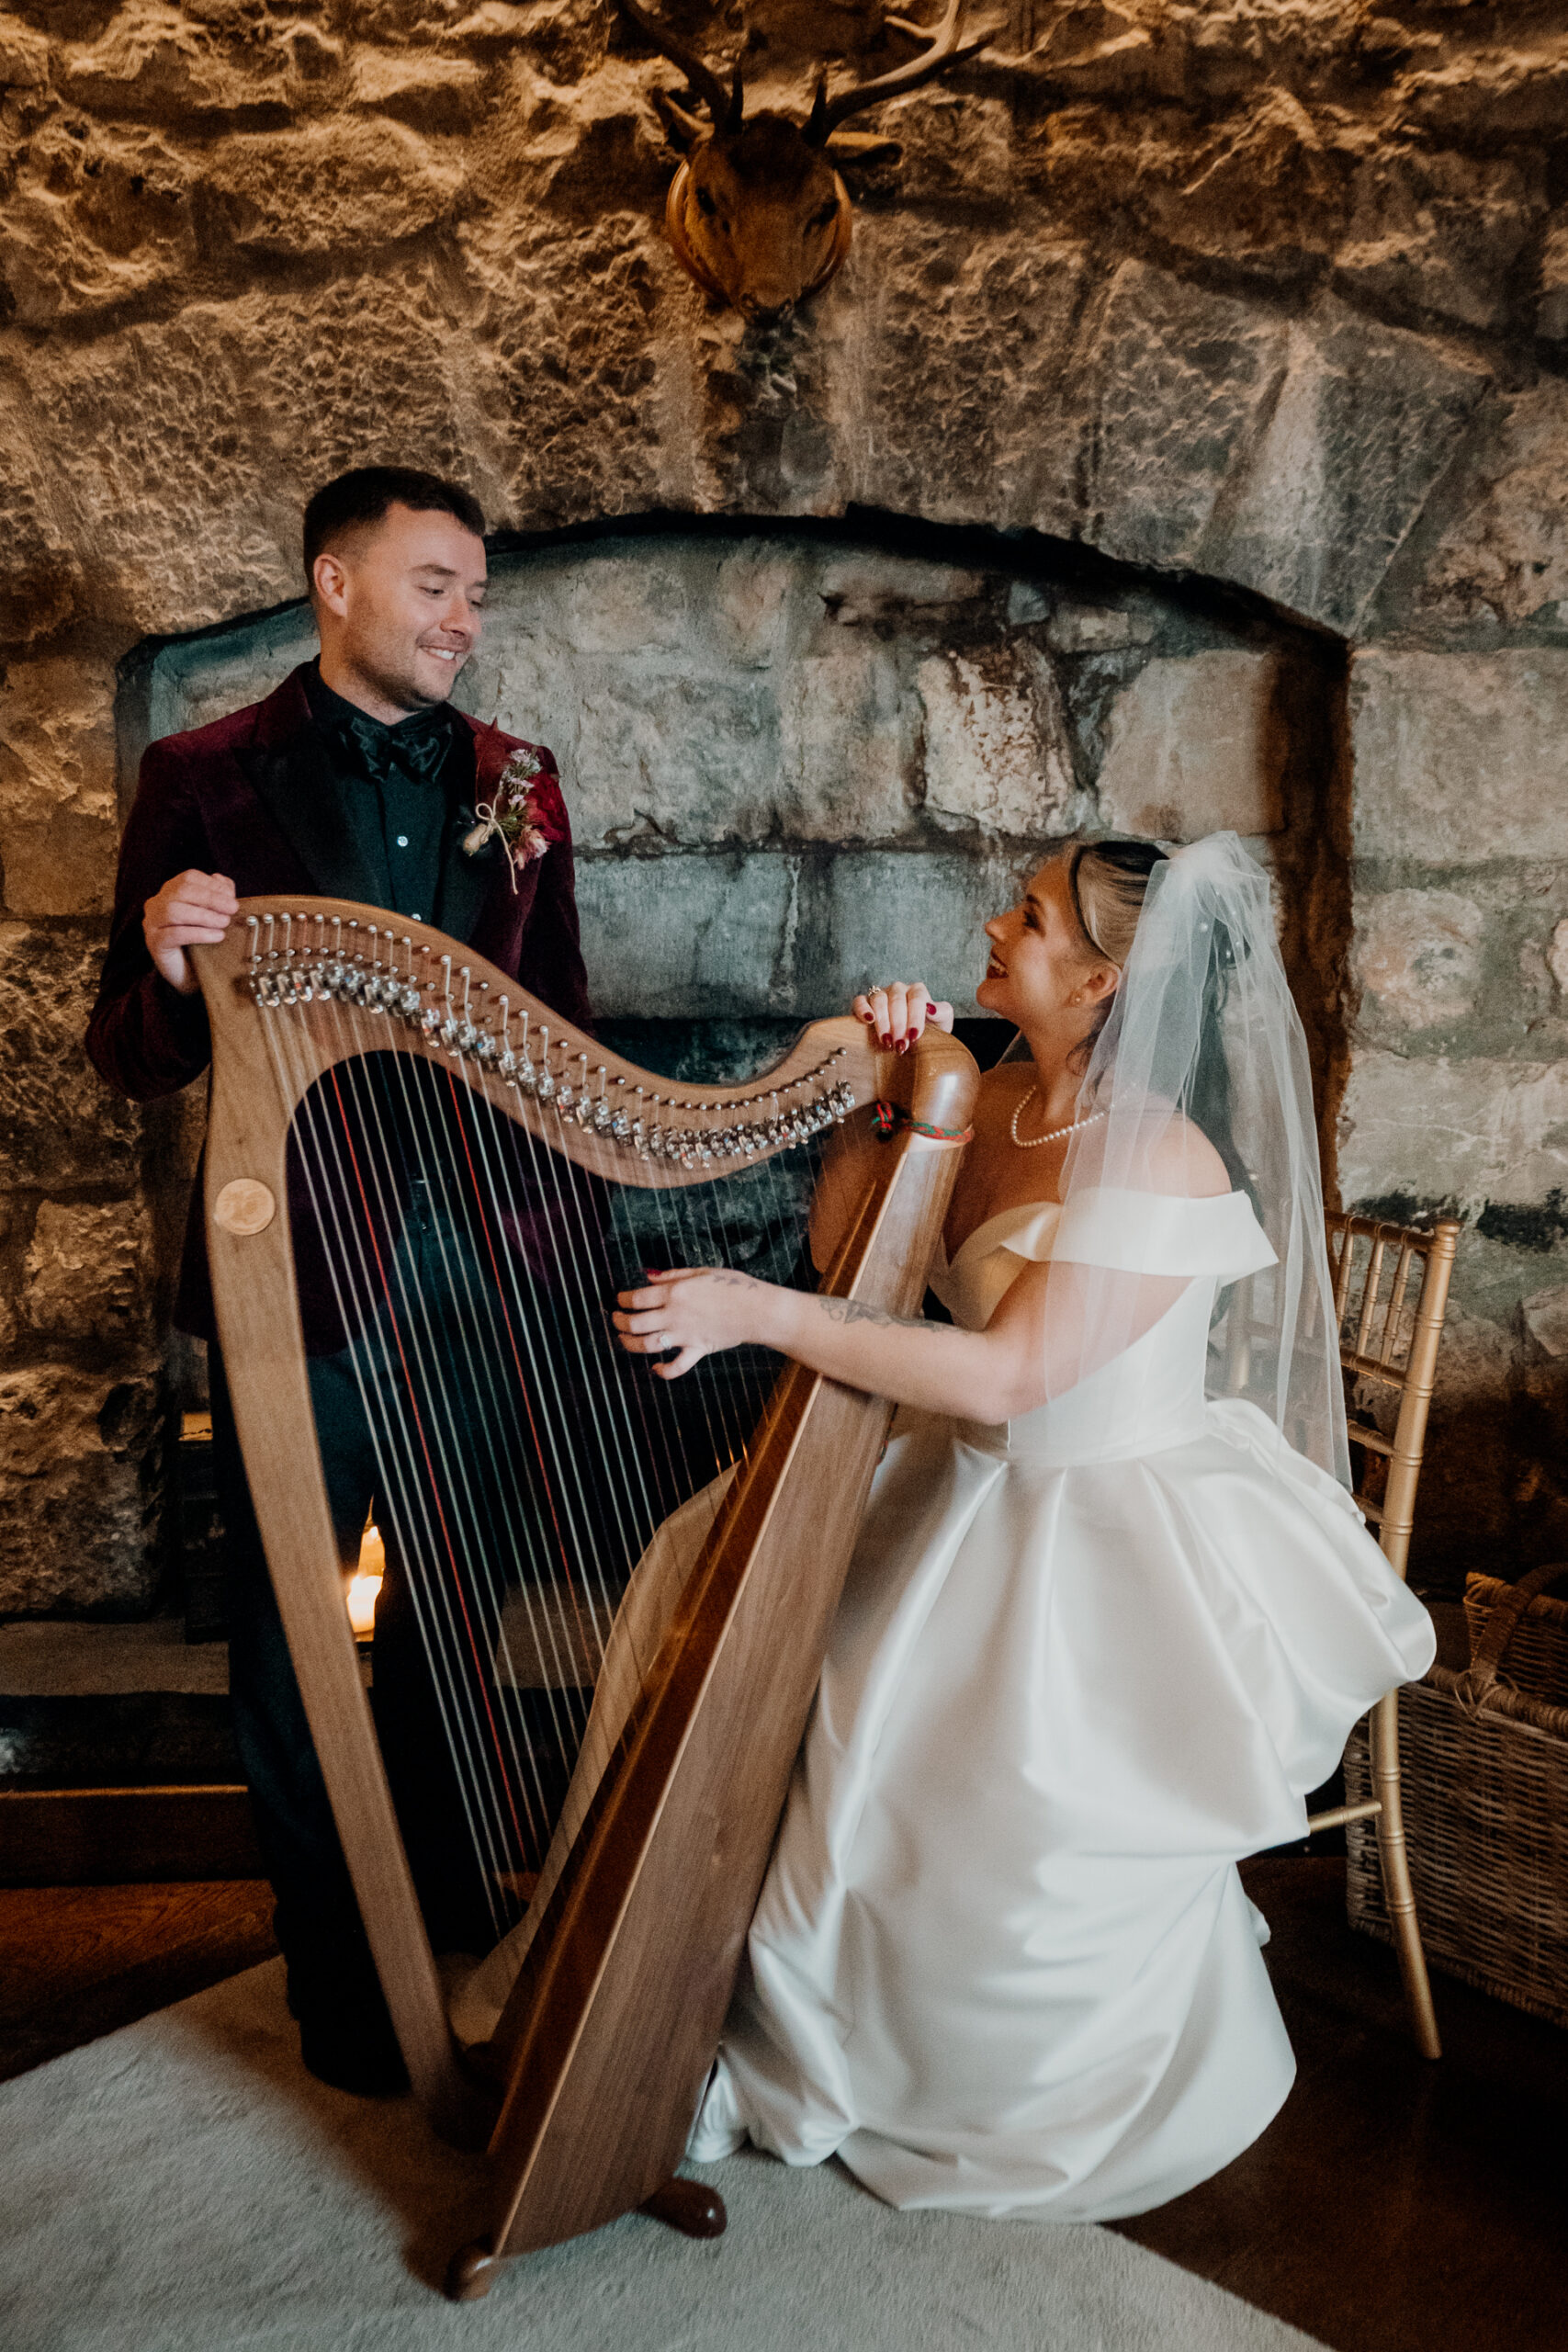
{"x":1108,"y":881}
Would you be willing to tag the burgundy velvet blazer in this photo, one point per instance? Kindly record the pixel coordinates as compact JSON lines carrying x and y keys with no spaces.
{"x":250,"y":796}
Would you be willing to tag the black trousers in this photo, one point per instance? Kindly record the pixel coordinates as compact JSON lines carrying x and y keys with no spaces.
{"x":318,"y":1922}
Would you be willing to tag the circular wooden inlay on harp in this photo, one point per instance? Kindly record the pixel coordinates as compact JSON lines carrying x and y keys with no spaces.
{"x":245,"y":1205}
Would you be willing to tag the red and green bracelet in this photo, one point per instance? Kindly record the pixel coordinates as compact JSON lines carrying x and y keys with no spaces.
{"x":889,"y":1119}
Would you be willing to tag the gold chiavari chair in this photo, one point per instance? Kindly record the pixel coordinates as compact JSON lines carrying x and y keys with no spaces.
{"x":1390,"y":1289}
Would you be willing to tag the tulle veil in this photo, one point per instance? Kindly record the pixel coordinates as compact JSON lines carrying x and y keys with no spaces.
{"x":1204,"y":1033}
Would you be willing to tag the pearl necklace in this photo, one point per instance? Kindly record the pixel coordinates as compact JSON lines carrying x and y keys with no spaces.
{"x":1053,"y":1134}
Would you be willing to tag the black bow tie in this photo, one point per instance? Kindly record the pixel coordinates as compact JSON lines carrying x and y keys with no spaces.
{"x":418,"y":746}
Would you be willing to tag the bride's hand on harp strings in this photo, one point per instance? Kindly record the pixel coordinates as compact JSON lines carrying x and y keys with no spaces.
{"x":697,"y":1310}
{"x":896,"y":1011}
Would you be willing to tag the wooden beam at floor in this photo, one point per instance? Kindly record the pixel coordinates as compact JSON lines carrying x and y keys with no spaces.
{"x":122,"y":1837}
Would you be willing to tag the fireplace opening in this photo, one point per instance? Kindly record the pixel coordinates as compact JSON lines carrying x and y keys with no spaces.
{"x":802,"y":754}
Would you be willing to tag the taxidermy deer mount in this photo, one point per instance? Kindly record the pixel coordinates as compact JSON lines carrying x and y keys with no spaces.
{"x":756,"y":213}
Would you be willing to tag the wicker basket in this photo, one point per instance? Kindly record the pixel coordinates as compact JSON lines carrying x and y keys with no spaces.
{"x":1485,"y":1773}
{"x":1537,"y":1650}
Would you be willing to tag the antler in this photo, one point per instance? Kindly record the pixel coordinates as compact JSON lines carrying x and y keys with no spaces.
{"x":944,"y":50}
{"x":718,"y":101}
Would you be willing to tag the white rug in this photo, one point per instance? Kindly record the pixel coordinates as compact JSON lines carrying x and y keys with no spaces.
{"x":185,"y":2186}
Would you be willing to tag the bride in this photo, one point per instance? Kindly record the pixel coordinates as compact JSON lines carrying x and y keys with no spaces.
{"x":1112,"y":1612}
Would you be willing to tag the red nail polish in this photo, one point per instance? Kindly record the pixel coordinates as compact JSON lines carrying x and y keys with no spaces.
{"x":886,"y":1042}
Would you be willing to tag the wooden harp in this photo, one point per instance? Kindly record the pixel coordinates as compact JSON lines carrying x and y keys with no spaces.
{"x":330,"y":1021}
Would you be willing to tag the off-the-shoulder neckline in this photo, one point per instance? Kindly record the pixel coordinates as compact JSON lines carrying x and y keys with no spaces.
{"x":1025,"y":1211}
{"x":1021,"y":1209}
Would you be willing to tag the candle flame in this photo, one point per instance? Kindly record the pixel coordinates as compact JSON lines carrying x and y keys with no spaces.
{"x":365,"y":1586}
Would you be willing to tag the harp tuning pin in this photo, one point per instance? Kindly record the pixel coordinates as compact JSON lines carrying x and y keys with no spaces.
{"x":408,"y":1000}
{"x":431,"y":1019}
{"x":488,"y":1048}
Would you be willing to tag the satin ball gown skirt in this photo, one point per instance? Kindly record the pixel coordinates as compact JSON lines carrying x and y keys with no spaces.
{"x":1002,"y":1961}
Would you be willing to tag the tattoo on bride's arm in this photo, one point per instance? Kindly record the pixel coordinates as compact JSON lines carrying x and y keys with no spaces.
{"x":854,"y":1310}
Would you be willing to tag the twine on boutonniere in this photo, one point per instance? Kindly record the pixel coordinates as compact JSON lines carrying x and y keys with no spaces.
{"x":516,"y":815}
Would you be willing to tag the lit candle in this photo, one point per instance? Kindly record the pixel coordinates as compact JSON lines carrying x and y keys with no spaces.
{"x":365,"y":1585}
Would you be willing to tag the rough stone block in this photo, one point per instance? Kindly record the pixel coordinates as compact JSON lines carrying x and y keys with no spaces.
{"x":359,"y":371}
{"x":1515,"y":89}
{"x":1366,"y":421}
{"x":1442,"y":1129}
{"x":1461,"y":757}
{"x":1076,"y":628}
{"x":429,"y":93}
{"x":721,"y":941}
{"x":850,"y":753}
{"x":1195,"y":746}
{"x":1265,"y":191}
{"x":916,"y":915}
{"x":331,"y":187}
{"x":997,"y":750}
{"x":568,"y":380}
{"x":153,"y":60}
{"x":1417,"y":955}
{"x":24,"y":56}
{"x":42,"y":573}
{"x":1503,"y":554}
{"x":1439,"y":232}
{"x":1546,"y":1319}
{"x":892,"y":589}
{"x":58,"y":834}
{"x":1179,"y":378}
{"x":693,"y":757}
{"x":985,"y":326}
{"x":620,"y":602}
{"x":1551,"y":317}
{"x":181,"y":505}
{"x":77,"y":1495}
{"x":754,"y":596}
{"x":85,"y":1277}
{"x":95,"y":220}
{"x":59,"y":1124}
{"x":952,"y":145}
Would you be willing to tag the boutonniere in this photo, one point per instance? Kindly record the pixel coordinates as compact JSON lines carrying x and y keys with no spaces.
{"x":517,"y":814}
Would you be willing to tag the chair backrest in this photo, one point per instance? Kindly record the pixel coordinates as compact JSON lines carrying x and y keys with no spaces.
{"x":1390,"y":1291}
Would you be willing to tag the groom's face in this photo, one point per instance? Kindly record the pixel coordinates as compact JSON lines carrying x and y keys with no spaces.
{"x":401,"y":599}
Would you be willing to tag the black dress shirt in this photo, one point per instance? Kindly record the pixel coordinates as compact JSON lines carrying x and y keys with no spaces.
{"x":400,"y":787}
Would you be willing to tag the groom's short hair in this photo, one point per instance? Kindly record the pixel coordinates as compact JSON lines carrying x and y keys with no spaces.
{"x":350,"y":500}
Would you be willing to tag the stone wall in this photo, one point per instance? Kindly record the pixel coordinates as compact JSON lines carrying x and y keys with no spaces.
{"x":795,"y":762}
{"x":1269,"y":292}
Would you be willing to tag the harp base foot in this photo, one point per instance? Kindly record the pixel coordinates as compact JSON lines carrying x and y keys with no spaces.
{"x":471,"y":2273}
{"x":690,"y":2207}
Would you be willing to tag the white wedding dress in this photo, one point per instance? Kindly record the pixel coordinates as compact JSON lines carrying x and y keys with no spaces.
{"x":1002,"y":1961}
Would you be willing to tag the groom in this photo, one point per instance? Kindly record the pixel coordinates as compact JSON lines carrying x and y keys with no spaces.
{"x":355,"y":779}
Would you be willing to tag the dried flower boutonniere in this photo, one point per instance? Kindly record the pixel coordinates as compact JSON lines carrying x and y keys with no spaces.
{"x":517,"y":814}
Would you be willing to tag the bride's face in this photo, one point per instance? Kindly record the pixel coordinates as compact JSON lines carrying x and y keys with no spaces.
{"x":1039,"y":964}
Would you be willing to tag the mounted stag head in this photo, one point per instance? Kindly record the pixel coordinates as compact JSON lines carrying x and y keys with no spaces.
{"x":756,"y":213}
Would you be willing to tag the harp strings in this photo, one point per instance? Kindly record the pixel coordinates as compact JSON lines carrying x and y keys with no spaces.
{"x":515,"y":1456}
{"x":400,"y":1431}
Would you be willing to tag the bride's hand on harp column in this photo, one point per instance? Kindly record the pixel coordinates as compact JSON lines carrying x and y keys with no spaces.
{"x":896,"y":1011}
{"x":697,"y":1310}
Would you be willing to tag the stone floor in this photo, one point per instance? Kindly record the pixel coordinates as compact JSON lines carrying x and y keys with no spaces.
{"x":1393,"y":2207}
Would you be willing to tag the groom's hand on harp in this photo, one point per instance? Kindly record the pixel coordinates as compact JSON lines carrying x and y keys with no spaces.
{"x":896,"y":1011}
{"x":193,"y":911}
